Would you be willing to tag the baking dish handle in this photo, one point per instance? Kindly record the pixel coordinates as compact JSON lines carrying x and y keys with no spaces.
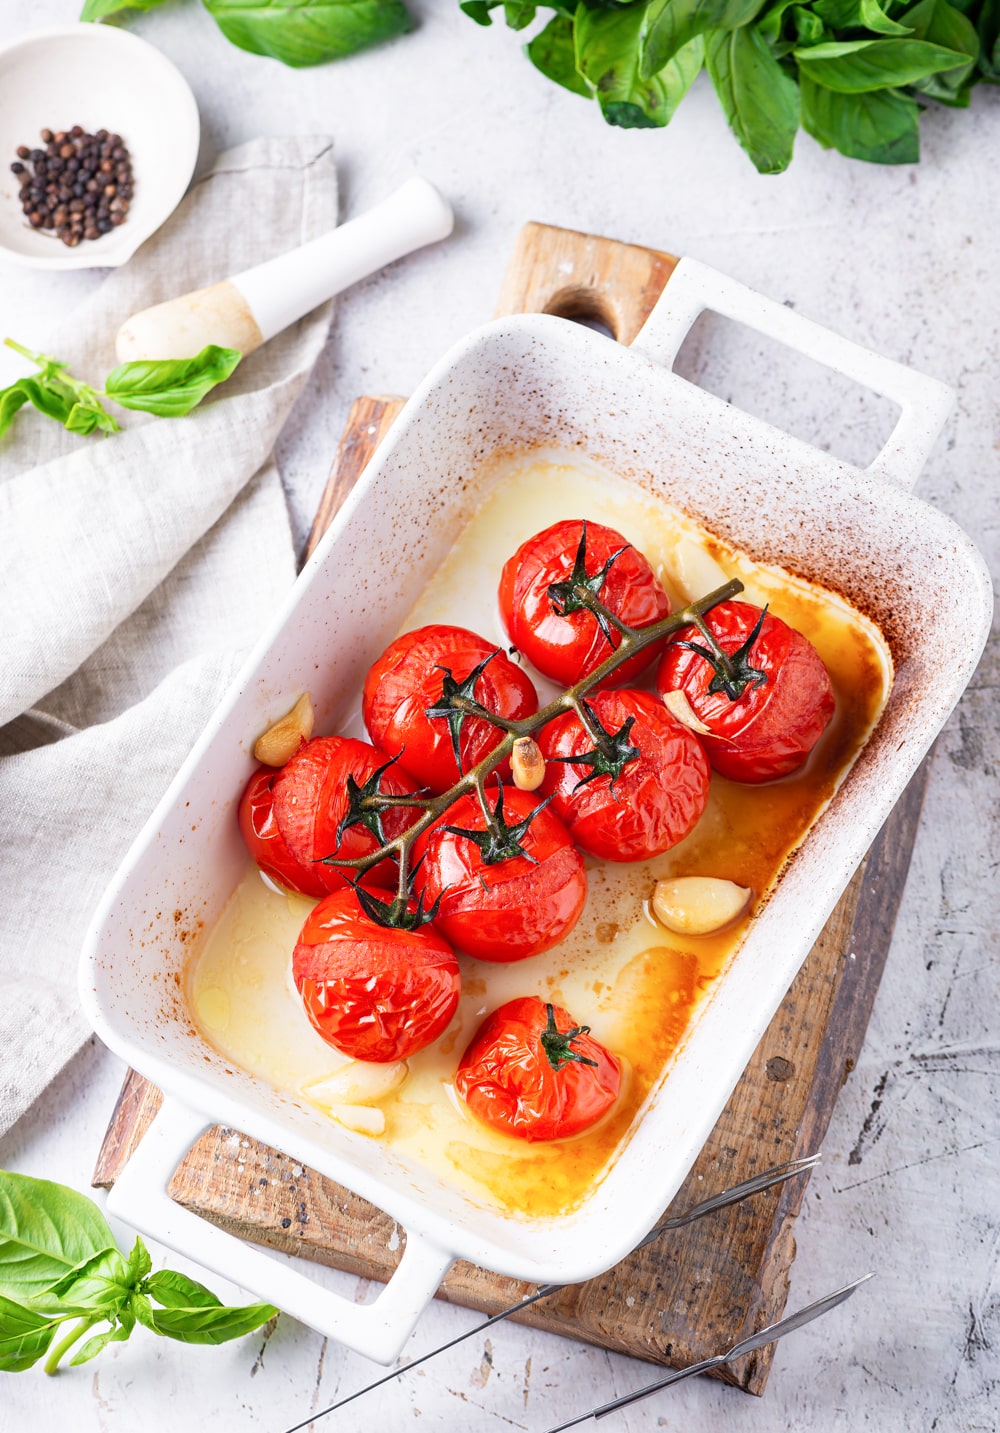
{"x":925,"y":402}
{"x":378,"y":1330}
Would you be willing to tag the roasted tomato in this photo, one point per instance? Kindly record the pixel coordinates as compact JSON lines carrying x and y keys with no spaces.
{"x":409,"y":694}
{"x":530,"y":1071}
{"x":507,"y":890}
{"x":375,"y":992}
{"x":290,"y":818}
{"x":540,"y":600}
{"x":767,"y":706}
{"x":638,"y":791}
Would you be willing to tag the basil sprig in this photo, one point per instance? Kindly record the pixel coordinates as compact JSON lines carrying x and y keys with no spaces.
{"x":59,"y":1264}
{"x":854,"y":73}
{"x":169,"y":388}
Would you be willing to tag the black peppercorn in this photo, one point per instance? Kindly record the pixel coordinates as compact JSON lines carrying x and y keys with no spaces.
{"x":78,"y":187}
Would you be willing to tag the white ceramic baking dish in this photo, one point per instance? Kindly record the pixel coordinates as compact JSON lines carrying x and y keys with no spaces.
{"x":516,"y":384}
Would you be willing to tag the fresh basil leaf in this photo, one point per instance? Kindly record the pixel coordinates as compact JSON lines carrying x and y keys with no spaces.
{"x":49,"y":396}
{"x":118,"y":1333}
{"x":854,"y":67}
{"x":12,"y":400}
{"x":479,"y":10}
{"x":988,"y":30}
{"x":177,"y":1291}
{"x":941,"y":24}
{"x":25,"y":1336}
{"x":553,"y":51}
{"x":139,"y":1263}
{"x":99,"y":1288}
{"x":668,"y":25}
{"x":809,"y":28}
{"x":46,"y":1232}
{"x":101,"y":9}
{"x":770,"y":24}
{"x":881,"y":127}
{"x":858,"y":15}
{"x":761,"y":101}
{"x":519,"y":13}
{"x":170,"y":387}
{"x":201,"y":1324}
{"x":308,"y":32}
{"x":607,"y":55}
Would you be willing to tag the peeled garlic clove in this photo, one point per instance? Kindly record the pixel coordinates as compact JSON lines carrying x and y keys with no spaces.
{"x":362,"y":1119}
{"x":282,"y":740}
{"x":698,"y":905}
{"x":527,"y":764}
{"x":678,"y":706}
{"x":362,"y":1082}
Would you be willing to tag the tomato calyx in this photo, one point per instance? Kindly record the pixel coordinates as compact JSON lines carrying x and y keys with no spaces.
{"x":500,"y":841}
{"x":400,"y":913}
{"x":733,"y":672}
{"x":367,"y":802}
{"x":579,"y":591}
{"x":557,"y":1043}
{"x":458,"y":701}
{"x":611,"y":753}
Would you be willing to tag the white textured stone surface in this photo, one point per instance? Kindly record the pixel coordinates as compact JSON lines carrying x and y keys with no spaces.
{"x":901,"y":259}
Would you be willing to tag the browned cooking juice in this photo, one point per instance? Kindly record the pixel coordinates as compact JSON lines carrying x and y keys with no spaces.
{"x":637,"y":985}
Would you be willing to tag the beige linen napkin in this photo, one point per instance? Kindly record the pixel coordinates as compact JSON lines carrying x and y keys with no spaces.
{"x":136,"y":570}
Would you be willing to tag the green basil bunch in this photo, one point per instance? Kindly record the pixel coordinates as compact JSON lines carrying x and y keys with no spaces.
{"x":169,"y":388}
{"x":855,"y":74}
{"x":59,"y":1263}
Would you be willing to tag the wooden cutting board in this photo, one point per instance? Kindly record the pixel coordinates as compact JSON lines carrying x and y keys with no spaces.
{"x":693,"y":1293}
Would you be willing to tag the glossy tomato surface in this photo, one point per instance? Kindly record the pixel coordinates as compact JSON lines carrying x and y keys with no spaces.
{"x":508,"y":1080}
{"x":289,"y":818}
{"x":374,"y":992}
{"x":568,"y":647}
{"x":514,"y":908}
{"x":409,"y":678}
{"x":654,"y":803}
{"x":770,"y":730}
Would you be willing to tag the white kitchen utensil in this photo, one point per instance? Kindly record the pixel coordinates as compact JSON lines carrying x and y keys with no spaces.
{"x":245,"y":311}
{"x":525,"y":383}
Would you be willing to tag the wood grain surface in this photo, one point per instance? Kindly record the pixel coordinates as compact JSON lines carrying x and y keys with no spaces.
{"x":698,"y":1289}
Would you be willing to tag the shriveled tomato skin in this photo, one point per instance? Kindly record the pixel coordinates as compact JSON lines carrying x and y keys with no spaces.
{"x":263,"y":838}
{"x":770,"y":730}
{"x":511,"y":910}
{"x":655,"y":802}
{"x":375,"y":993}
{"x":569,"y":647}
{"x":406,"y":680}
{"x":507,"y":1081}
{"x":289,"y":818}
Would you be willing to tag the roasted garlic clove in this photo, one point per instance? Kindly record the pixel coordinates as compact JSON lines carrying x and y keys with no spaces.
{"x":282,"y":740}
{"x":698,"y":905}
{"x":527,"y":764}
{"x":678,"y":706}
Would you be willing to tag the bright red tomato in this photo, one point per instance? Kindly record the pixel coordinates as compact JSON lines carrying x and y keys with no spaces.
{"x":375,"y":992}
{"x":786,"y":702}
{"x":289,"y":818}
{"x":498,"y":906}
{"x":568,"y":645}
{"x":530,"y":1071}
{"x":658,"y":796}
{"x":411,"y":678}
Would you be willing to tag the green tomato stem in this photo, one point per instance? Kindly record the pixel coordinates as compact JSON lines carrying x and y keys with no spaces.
{"x":634,"y":639}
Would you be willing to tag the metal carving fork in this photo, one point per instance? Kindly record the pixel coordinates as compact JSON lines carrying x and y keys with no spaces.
{"x":735,"y":1195}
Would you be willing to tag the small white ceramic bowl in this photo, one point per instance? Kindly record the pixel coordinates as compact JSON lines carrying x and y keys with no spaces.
{"x":101,"y":78}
